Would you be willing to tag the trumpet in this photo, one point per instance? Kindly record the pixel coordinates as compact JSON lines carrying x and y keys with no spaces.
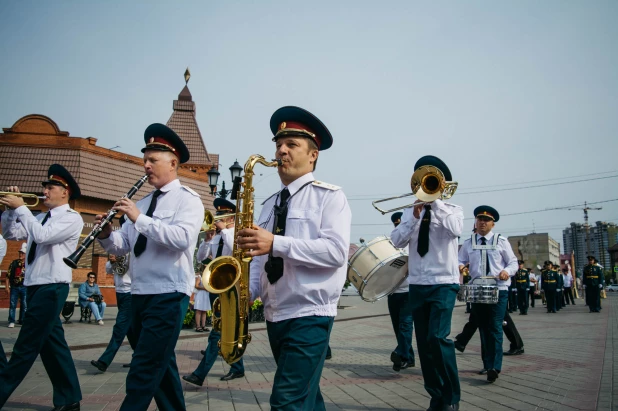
{"x":209,"y":220}
{"x":24,"y":195}
{"x":428,"y":184}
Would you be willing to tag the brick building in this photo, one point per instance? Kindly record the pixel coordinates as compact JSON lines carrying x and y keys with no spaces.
{"x":35,"y":141}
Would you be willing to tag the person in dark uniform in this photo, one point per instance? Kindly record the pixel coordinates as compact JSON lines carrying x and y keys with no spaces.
{"x":161,"y":234}
{"x":122,"y":327}
{"x":511,"y":304}
{"x":222,"y":245}
{"x":549,"y":283}
{"x":3,"y":361}
{"x":300,"y":248}
{"x":522,"y":279}
{"x":560,"y":284}
{"x":400,"y":311}
{"x":593,"y":284}
{"x":51,"y":236}
{"x":431,"y":231}
{"x":489,"y":254}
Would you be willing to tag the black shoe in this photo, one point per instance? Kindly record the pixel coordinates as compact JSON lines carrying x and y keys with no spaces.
{"x":99,"y":365}
{"x":483,"y":372}
{"x":70,"y":407}
{"x":396,"y":359}
{"x":459,"y":346}
{"x":192,"y":379}
{"x":452,"y":407}
{"x":515,"y":351}
{"x":328,"y":356}
{"x":203,"y":352}
{"x":126,"y":365}
{"x":492,"y":375}
{"x":232,"y":375}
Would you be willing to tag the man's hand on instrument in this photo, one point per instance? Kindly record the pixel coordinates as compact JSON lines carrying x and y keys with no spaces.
{"x":10,"y":201}
{"x":504,"y":275}
{"x":461,"y":268}
{"x":256,"y":239}
{"x":107,"y":230}
{"x":418,"y":208}
{"x":128,"y":207}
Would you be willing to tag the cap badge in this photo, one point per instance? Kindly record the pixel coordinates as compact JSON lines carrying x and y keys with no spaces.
{"x":282,"y":125}
{"x":151,"y":140}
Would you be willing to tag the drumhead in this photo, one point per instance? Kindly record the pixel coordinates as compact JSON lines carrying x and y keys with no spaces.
{"x":385,"y":278}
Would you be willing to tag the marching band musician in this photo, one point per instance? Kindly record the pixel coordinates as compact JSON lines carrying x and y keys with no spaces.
{"x":400,"y":311}
{"x":593,"y":284}
{"x":431,"y":231}
{"x":495,"y":252}
{"x":522,"y":280}
{"x":161,"y":234}
{"x":122,"y":327}
{"x":15,"y":282}
{"x":222,"y":244}
{"x":51,"y":236}
{"x":301,"y":248}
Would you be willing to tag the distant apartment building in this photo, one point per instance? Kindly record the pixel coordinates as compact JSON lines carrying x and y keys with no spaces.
{"x":535,"y":248}
{"x":601,"y":236}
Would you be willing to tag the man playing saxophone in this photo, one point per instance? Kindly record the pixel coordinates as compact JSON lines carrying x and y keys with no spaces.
{"x":161,"y":233}
{"x":222,"y":244}
{"x":300,"y":249}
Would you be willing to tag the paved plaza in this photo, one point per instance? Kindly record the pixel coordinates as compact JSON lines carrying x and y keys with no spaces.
{"x":570,"y":363}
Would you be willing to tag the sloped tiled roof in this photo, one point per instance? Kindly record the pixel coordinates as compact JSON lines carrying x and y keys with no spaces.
{"x":183,"y":122}
{"x":98,"y":176}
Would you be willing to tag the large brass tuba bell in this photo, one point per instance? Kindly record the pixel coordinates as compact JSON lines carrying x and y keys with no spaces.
{"x":428,"y":184}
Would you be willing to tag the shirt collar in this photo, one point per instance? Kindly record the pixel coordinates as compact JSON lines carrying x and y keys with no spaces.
{"x":488,"y":237}
{"x":172,"y":184}
{"x":298,"y":183}
{"x":63,"y":207}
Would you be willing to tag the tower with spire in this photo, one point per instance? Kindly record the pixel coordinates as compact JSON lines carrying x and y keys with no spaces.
{"x":183,"y":122}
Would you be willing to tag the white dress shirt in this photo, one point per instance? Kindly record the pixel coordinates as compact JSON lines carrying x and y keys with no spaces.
{"x":2,"y":248}
{"x":55,"y":240}
{"x":314,"y":251}
{"x":122,"y":282}
{"x":532,"y":277}
{"x":166,"y":265}
{"x":439,"y":265}
{"x":502,"y":258}
{"x":568,"y":280}
{"x":203,"y":251}
{"x":228,"y":242}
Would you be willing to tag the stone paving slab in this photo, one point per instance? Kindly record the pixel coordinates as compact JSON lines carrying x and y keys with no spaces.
{"x":569,"y":364}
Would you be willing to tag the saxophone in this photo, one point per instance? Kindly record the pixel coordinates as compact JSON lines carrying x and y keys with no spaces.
{"x":228,"y":276}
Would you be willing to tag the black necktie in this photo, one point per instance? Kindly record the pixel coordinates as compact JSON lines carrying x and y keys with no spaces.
{"x":423,"y":232}
{"x":484,"y":242}
{"x":274,"y":265}
{"x":32,"y":250}
{"x":140,"y":244}
{"x":220,"y":248}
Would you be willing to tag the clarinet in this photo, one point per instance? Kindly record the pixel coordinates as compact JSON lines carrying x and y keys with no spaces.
{"x":73,"y":259}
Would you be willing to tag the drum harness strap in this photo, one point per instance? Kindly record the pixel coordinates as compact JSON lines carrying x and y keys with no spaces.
{"x":484,"y":248}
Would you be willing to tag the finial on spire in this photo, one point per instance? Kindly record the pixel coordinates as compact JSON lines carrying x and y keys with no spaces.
{"x":187,"y":75}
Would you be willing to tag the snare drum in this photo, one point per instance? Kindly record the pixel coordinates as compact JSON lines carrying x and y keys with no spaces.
{"x":480,"y":290}
{"x":377,"y":268}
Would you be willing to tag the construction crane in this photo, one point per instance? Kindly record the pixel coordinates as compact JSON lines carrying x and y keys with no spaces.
{"x":586,"y":225}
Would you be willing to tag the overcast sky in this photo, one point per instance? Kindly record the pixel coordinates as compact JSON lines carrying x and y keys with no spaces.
{"x":508,"y":93}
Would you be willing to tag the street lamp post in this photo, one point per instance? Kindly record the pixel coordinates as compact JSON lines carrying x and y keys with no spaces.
{"x":213,"y":179}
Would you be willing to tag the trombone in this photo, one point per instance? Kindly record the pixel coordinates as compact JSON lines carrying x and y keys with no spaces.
{"x":35,"y":197}
{"x":428,"y":184}
{"x":209,"y":220}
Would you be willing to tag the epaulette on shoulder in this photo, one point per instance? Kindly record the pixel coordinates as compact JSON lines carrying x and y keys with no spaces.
{"x":451,"y":205}
{"x":190,"y":190}
{"x":326,"y":185}
{"x":70,"y":210}
{"x":264,"y":202}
